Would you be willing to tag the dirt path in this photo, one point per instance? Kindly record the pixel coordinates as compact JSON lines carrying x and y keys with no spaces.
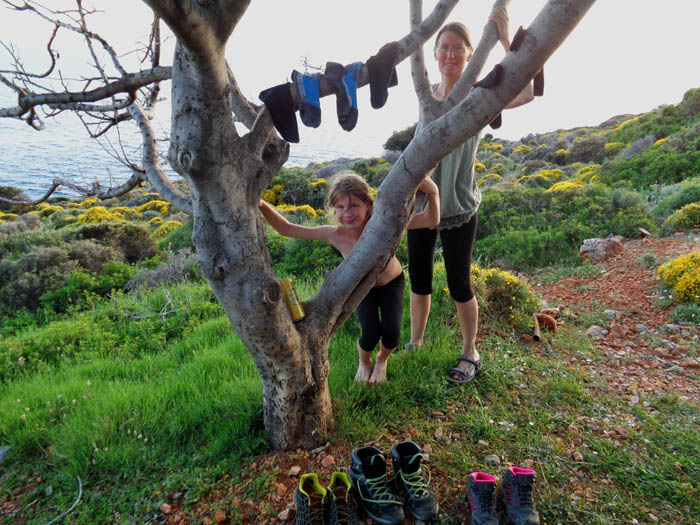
{"x":645,"y":352}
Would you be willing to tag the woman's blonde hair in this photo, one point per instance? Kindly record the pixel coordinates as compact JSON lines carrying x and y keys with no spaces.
{"x":349,"y":183}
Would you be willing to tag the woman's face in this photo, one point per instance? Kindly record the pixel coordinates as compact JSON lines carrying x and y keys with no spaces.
{"x":451,"y":54}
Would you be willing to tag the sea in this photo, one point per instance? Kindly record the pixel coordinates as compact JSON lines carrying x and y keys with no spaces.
{"x":32,"y":159}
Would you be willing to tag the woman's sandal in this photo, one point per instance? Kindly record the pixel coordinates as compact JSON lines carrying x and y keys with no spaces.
{"x":457,"y":375}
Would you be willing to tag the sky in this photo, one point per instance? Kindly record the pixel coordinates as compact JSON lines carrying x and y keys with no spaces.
{"x":625,"y":56}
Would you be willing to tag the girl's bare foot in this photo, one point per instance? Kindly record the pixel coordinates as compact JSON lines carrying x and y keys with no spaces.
{"x":363,"y":371}
{"x":379,"y":373}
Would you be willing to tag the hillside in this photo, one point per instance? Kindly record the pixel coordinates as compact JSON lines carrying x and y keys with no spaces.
{"x":124,"y":391}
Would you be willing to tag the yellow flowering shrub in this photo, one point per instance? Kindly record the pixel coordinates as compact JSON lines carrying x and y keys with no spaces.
{"x":566,"y":185}
{"x":167,"y":227}
{"x":479,"y":167}
{"x":661,"y":142}
{"x":162,"y":207}
{"x":682,"y":276}
{"x":623,"y":124}
{"x":127,"y":213}
{"x":502,"y":294}
{"x":155,"y":221}
{"x":47,"y":209}
{"x":523,"y":148}
{"x":613,"y":148}
{"x":98,"y":214}
{"x":489,"y":178}
{"x":561,"y":154}
{"x":305,"y":211}
{"x":587,"y":173}
{"x":273,"y":195}
{"x":86,"y":203}
{"x":490,"y":146}
{"x":686,"y":218}
{"x":321,"y":183}
{"x":7,"y":217}
{"x":542,"y":178}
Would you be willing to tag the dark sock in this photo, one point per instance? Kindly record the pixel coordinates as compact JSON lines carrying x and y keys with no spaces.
{"x":382,"y":73}
{"x":308,"y":87}
{"x":280,"y":104}
{"x":496,"y":122}
{"x":492,"y":79}
{"x":538,"y":83}
{"x":334,"y":75}
{"x":517,"y":39}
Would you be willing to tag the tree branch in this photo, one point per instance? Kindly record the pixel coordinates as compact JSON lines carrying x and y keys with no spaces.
{"x":419,"y":73}
{"x":156,"y":176}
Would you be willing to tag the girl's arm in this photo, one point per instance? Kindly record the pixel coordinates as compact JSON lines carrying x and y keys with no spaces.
{"x":288,"y":229}
{"x":430,"y":216}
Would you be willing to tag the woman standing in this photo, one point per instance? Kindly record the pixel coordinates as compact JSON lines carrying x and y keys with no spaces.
{"x":459,"y":201}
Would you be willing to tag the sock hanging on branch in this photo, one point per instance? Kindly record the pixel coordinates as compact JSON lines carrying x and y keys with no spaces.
{"x":496,"y":122}
{"x":382,"y":73}
{"x":492,"y":79}
{"x":518,"y":39}
{"x":308,"y":87}
{"x":538,"y":84}
{"x":279,"y":102}
{"x":343,"y":81}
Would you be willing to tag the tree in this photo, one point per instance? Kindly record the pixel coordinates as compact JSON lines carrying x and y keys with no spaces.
{"x":227,"y":173}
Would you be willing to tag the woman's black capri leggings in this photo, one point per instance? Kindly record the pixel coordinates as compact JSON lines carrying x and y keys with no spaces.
{"x":457,"y":245}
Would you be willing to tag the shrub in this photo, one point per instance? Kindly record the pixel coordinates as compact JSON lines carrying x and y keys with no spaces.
{"x":134,"y":241}
{"x":686,"y":218}
{"x":297,"y":187}
{"x":162,"y":207}
{"x":299,"y":257}
{"x":690,"y":105}
{"x":652,"y":166}
{"x":399,"y":140}
{"x":180,"y":266}
{"x":166,"y":228}
{"x":682,"y":276}
{"x":23,"y":223}
{"x":98,"y":214}
{"x":490,"y":146}
{"x":488,"y":179}
{"x":588,"y":149}
{"x":502,"y":295}
{"x":687,"y":192}
{"x":179,"y":238}
{"x":13,"y":194}
{"x":523,"y":148}
{"x":660,"y":122}
{"x":613,"y":148}
{"x":5,"y":217}
{"x":374,"y":170}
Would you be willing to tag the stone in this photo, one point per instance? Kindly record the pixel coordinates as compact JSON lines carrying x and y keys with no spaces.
{"x":328,"y":460}
{"x":595,"y":332}
{"x":294,"y":471}
{"x":165,"y":508}
{"x":640,"y":328}
{"x":597,"y":250}
{"x":492,"y":459}
{"x":219,"y":516}
{"x":577,"y":456}
{"x":610,"y":314}
{"x":284,"y":515}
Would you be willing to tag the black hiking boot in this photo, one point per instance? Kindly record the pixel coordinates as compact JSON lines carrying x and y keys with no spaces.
{"x":481,"y":492}
{"x":411,"y":482}
{"x":368,"y":478}
{"x":517,"y":489}
{"x":309,"y":501}
{"x":342,"y":507}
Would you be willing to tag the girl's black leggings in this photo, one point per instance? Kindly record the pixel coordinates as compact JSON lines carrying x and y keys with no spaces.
{"x":388,"y":300}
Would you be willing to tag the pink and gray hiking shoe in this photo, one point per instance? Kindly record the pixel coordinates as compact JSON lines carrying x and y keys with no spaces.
{"x":481,"y":492}
{"x":517,"y":489}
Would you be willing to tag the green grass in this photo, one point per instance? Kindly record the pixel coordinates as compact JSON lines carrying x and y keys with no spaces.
{"x":137,"y":427}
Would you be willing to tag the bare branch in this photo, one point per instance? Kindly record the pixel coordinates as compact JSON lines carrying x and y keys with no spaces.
{"x":78,"y":100}
{"x":156,"y":176}
{"x":419,"y":73}
{"x":242,"y":108}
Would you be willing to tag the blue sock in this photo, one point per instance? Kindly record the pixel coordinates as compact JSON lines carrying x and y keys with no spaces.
{"x":352,"y":74}
{"x":308,"y":87}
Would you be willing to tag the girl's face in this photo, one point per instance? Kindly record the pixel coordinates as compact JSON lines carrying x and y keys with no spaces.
{"x":351,"y":212}
{"x":451,"y":54}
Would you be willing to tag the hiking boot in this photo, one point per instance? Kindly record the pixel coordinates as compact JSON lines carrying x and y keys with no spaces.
{"x":481,"y":492}
{"x":517,"y":489}
{"x":368,"y":478}
{"x":309,"y":500}
{"x":342,"y":507}
{"x":412,"y":483}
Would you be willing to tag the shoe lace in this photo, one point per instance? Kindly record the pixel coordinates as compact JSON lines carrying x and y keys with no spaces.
{"x":415,"y":481}
{"x":484,"y":501}
{"x":342,"y":506}
{"x":525,"y":495}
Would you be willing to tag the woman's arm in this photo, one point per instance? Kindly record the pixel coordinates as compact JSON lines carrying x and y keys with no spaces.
{"x":499,"y":16}
{"x":430,"y":216}
{"x":288,"y":229}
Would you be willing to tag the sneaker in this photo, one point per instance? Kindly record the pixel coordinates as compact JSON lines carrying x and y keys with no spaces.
{"x":309,"y":500}
{"x":481,"y":492}
{"x":342,"y":507}
{"x":517,"y":488}
{"x":412,"y":483}
{"x":368,"y":479}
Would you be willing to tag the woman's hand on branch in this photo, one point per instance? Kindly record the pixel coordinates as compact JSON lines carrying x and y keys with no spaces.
{"x":427,"y":186}
{"x":499,"y":16}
